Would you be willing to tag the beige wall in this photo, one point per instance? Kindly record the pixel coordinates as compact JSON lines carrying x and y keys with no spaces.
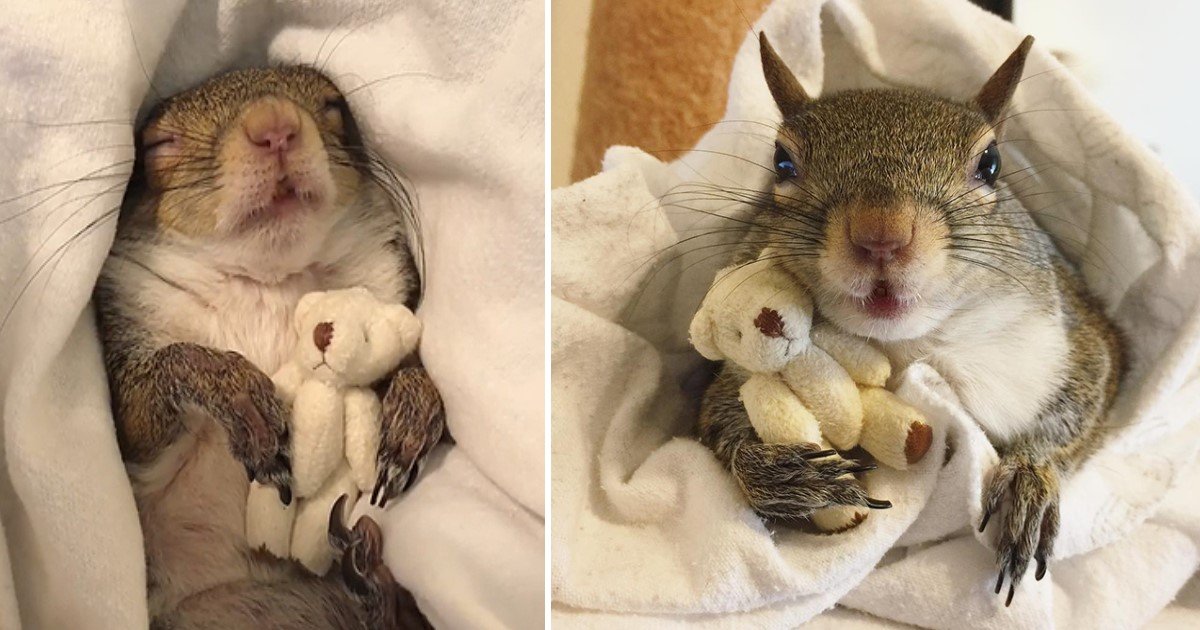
{"x":568,"y":45}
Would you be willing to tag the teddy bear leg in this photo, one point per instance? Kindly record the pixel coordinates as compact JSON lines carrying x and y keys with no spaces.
{"x":268,"y":520}
{"x":895,"y":433}
{"x":310,"y":536}
{"x":778,"y":417}
{"x":318,"y":435}
{"x":839,"y":518}
{"x":363,"y":412}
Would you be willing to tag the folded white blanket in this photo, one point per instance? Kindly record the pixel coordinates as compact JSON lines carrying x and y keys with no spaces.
{"x":648,"y":527}
{"x":451,"y":93}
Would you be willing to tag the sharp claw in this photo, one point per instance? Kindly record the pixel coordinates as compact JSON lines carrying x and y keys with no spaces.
{"x":987,"y":514}
{"x":285,"y":494}
{"x":386,"y":493}
{"x":878,"y":504}
{"x":1041,"y":567}
{"x":1000,"y":582}
{"x":1012,"y":587}
{"x":337,"y":529}
{"x":819,"y":454}
{"x":284,"y":461}
{"x":249,"y":471}
{"x":862,"y":468}
{"x":412,"y":477}
{"x":379,"y":481}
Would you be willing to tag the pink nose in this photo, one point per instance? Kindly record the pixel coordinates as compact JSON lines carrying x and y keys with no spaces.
{"x":271,"y":124}
{"x":276,"y":139}
{"x":879,"y":249}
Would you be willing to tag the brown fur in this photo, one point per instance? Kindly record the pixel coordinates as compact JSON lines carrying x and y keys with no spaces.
{"x":886,"y":161}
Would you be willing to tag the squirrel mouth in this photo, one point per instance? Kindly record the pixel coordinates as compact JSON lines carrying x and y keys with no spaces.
{"x":883,"y":303}
{"x":285,"y":192}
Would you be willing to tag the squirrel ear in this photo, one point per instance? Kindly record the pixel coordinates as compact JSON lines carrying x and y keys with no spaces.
{"x":789,"y":95}
{"x":998,"y":90}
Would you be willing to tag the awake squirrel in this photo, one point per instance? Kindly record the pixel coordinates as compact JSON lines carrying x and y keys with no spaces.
{"x":248,"y":192}
{"x":886,"y":202}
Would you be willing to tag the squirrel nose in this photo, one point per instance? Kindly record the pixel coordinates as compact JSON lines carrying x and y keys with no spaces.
{"x":323,"y":335}
{"x":880,"y":239}
{"x":271,"y":124}
{"x":880,"y":249}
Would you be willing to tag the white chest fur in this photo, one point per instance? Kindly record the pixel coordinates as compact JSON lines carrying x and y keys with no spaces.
{"x":236,"y":313}
{"x":180,"y":296}
{"x":1003,"y":359}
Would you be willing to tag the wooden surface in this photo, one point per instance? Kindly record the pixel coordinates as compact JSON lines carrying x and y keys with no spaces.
{"x":657,"y":74}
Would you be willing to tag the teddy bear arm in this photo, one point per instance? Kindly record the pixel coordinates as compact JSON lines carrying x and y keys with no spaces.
{"x":318,"y":433}
{"x":287,"y":381}
{"x":865,"y":364}
{"x":776,"y":413}
{"x":363,"y":411}
{"x":829,"y":393}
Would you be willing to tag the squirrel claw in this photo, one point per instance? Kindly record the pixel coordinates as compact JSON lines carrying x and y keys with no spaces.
{"x":862,"y":468}
{"x":987,"y":514}
{"x":878,"y":504}
{"x":819,"y":454}
{"x":1029,"y":525}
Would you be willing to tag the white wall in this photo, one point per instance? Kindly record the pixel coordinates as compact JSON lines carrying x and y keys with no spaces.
{"x":1142,"y":61}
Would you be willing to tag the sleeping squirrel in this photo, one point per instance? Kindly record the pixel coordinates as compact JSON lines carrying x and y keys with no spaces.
{"x":249,"y":191}
{"x":889,"y":209}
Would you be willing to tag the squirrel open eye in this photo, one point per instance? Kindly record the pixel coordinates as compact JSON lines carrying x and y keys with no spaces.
{"x":988,"y":168}
{"x":785,"y":168}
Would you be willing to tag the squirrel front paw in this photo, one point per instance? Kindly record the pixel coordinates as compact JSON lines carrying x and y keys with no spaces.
{"x":791,"y":481}
{"x":1030,"y":523}
{"x":241,"y":398}
{"x":413,"y":422}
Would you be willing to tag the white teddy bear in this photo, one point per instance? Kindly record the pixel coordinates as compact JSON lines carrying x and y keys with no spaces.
{"x":347,"y":340}
{"x":808,"y":383}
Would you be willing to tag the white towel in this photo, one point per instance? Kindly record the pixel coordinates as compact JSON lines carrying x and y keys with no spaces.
{"x":451,"y":93}
{"x":650,"y":530}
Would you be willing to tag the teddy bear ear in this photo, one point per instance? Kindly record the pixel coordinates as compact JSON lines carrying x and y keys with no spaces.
{"x":305,"y":305}
{"x":702,"y":333}
{"x":397,"y":318}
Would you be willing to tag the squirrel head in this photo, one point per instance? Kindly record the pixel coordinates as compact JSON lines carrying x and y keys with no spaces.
{"x":888,"y":198}
{"x":260,"y":156}
{"x":348,"y":337}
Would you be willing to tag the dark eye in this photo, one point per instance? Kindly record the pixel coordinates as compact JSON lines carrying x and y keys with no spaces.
{"x":989,"y":165}
{"x":785,"y":168}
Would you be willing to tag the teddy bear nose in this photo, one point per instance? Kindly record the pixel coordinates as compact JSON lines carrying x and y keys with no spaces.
{"x":322,"y":335}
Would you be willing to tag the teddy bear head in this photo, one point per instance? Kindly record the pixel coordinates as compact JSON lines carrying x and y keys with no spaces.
{"x":755,"y":315}
{"x":349,"y":337}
